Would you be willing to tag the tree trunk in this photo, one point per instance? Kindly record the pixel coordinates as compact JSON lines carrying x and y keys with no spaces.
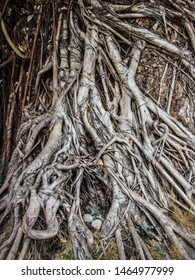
{"x":104,"y":154}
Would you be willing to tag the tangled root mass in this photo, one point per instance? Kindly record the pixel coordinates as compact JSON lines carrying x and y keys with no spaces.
{"x":101,"y":117}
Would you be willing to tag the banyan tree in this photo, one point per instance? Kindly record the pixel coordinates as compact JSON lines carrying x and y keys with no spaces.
{"x":97,"y":129}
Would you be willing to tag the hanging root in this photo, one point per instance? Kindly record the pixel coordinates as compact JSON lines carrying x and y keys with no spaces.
{"x":105,"y":150}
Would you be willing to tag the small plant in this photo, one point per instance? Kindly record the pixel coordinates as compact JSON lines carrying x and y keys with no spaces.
{"x":68,"y":255}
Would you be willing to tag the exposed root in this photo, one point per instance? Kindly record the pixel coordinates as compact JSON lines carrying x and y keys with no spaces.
{"x":101,"y":146}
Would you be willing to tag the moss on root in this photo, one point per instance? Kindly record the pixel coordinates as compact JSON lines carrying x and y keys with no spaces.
{"x":155,"y":252}
{"x":185,"y":219}
{"x":174,"y":252}
{"x":107,"y":252}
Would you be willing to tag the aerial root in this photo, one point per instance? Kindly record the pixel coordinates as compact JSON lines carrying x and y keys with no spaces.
{"x":98,"y":140}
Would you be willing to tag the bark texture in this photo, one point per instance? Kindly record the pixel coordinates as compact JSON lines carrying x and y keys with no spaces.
{"x":100,"y":112}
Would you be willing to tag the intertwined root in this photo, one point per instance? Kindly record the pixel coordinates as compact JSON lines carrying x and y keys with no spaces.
{"x":99,"y":143}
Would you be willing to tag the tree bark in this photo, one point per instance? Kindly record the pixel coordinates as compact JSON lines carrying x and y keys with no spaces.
{"x":107,"y":103}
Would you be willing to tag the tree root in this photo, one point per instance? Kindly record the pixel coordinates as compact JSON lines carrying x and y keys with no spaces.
{"x":96,"y":154}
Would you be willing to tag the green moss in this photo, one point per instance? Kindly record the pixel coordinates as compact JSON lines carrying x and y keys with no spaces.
{"x":184,"y":218}
{"x":68,"y":255}
{"x":155,"y":252}
{"x":175,"y":254}
{"x":110,"y":250}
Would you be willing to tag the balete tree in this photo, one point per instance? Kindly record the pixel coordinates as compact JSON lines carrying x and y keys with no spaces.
{"x":97,"y":135}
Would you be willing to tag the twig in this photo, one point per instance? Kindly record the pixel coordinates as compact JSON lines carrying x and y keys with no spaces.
{"x":161,"y":82}
{"x":119,"y":242}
